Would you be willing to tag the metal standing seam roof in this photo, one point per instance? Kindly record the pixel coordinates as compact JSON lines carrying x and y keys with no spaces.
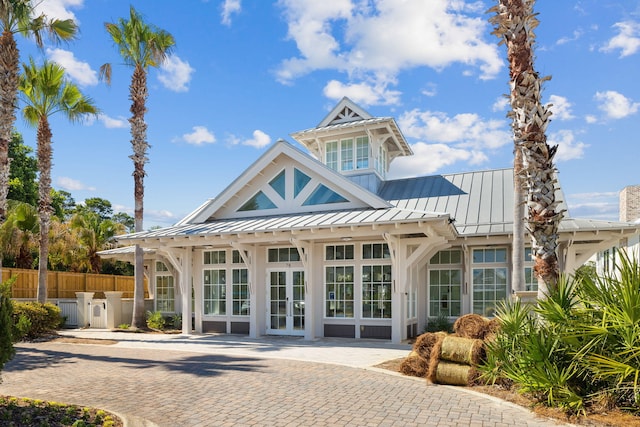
{"x":358,"y":123}
{"x":297,"y":221}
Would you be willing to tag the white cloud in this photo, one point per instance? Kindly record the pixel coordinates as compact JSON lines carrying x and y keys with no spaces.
{"x":627,"y":40}
{"x":502,"y":104}
{"x":78,"y":71}
{"x":430,"y":89}
{"x":590,"y":119}
{"x":561,"y":108}
{"x":111,"y":123}
{"x":259,"y":140}
{"x":58,"y":9}
{"x":200,"y":135}
{"x":70,"y":184}
{"x":575,"y":36}
{"x":175,"y":74}
{"x":364,"y":39}
{"x":568,"y":147}
{"x":429,"y":158}
{"x":362,"y":93}
{"x":604,"y":206}
{"x":616,"y":105}
{"x":230,"y":7}
{"x":465,"y":130}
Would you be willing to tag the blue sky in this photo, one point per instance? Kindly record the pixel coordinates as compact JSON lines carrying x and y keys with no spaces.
{"x":246,"y":73}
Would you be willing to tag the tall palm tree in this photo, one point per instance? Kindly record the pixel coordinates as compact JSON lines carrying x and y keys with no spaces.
{"x":141,"y":46}
{"x":515,"y":23}
{"x":18,"y":16}
{"x":45,"y":91}
{"x":94,"y":234}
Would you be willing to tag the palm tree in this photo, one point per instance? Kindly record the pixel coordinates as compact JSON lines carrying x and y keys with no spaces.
{"x":94,"y":234}
{"x":17,"y":16}
{"x":18,"y":233}
{"x":515,"y":22}
{"x":46,"y":91}
{"x":141,"y":46}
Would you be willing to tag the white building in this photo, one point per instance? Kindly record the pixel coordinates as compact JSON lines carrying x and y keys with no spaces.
{"x":322,"y":245}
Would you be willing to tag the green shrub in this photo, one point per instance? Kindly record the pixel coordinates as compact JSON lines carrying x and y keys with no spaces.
{"x":33,"y":319}
{"x":439,"y":323}
{"x":6,"y":311}
{"x":176,"y":321}
{"x":155,"y":320}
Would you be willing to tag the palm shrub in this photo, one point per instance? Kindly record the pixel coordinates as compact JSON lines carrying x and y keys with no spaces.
{"x":578,"y":346}
{"x":529,"y":354}
{"x":610,"y":334}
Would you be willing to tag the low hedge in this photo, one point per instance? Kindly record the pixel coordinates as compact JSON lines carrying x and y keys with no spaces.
{"x":33,"y":319}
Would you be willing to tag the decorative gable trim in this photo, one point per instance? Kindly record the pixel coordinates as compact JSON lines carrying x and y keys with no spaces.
{"x":337,"y":191}
{"x":346,"y":111}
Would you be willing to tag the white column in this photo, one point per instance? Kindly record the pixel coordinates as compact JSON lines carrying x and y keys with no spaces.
{"x":309,"y":300}
{"x":185,"y":288}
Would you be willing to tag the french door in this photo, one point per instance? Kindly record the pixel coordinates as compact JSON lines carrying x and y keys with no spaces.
{"x":285,"y":302}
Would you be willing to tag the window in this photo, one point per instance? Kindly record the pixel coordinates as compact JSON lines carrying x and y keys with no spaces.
{"x":346,"y":154}
{"x":381,"y":161}
{"x":376,"y":291}
{"x":300,"y":180}
{"x":214,"y":257}
{"x":530,"y":279}
{"x":323,"y":195}
{"x":375,"y":251}
{"x":331,"y":155}
{"x":489,"y":279}
{"x":362,"y":152}
{"x":240,"y":292}
{"x":236,"y":258}
{"x":257,"y":203}
{"x":278,"y":183}
{"x":165,"y":296}
{"x":283,"y":255}
{"x":215,"y":292}
{"x":339,"y":295}
{"x":445,"y":283}
{"x":338,"y":252}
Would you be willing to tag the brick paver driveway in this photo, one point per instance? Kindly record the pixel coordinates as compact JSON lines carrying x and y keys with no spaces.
{"x":175,"y":388}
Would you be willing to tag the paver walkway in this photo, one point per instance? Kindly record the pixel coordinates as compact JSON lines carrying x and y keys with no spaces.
{"x":153,"y":383}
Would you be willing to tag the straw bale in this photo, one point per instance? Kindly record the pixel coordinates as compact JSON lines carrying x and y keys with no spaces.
{"x":462,"y":350}
{"x":471,"y":326}
{"x":414,"y":365}
{"x":456,"y":374}
{"x":434,"y":358}
{"x":424,"y":344}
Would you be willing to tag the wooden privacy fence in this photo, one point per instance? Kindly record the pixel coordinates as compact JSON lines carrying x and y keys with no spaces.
{"x":64,"y":285}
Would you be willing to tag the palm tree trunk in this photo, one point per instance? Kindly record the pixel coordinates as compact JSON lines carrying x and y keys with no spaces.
{"x":9,"y":73}
{"x":515,"y":22}
{"x":138,"y":89}
{"x":44,"y":203}
{"x":9,"y":77}
{"x":517,"y":255}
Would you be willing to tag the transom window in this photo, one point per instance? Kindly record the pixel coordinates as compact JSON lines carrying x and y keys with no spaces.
{"x":375,"y":251}
{"x":257,"y":203}
{"x":214,"y":257}
{"x":283,"y":255}
{"x":339,"y":252}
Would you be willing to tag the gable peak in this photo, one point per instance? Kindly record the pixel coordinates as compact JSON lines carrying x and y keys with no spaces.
{"x":346,"y":111}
